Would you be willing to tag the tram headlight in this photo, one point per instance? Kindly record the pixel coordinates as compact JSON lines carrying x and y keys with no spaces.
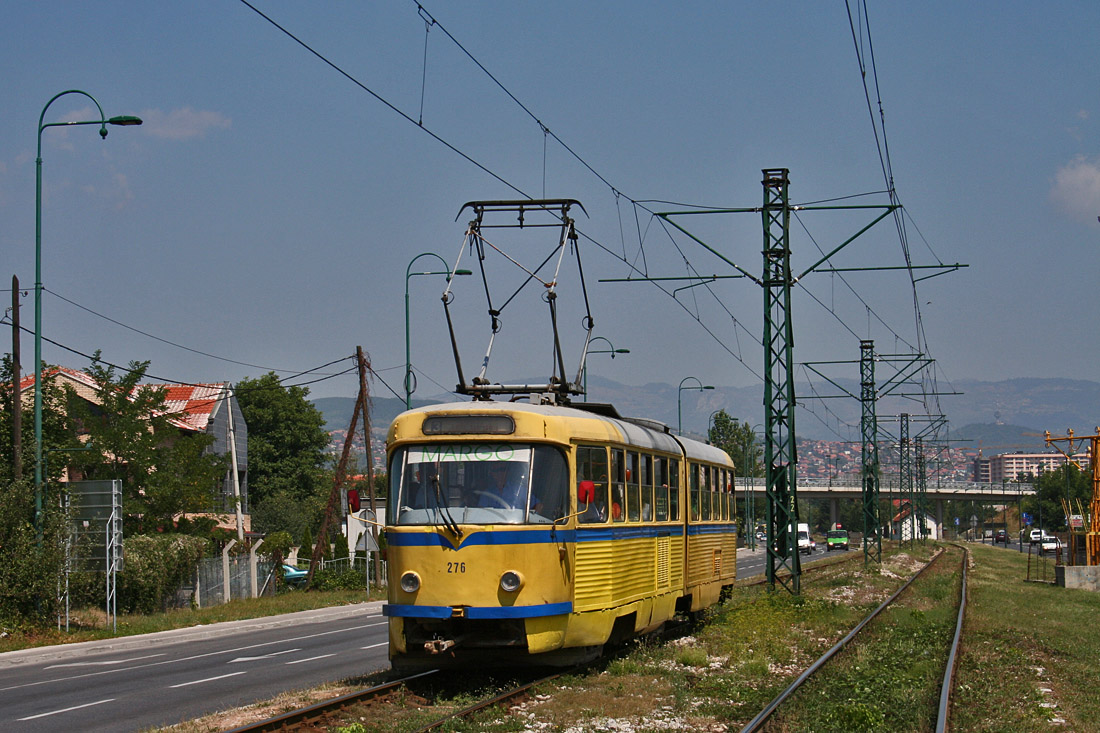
{"x":410,"y":582}
{"x":511,"y":581}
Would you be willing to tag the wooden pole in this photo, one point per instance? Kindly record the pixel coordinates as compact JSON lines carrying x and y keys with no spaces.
{"x":334,"y":495}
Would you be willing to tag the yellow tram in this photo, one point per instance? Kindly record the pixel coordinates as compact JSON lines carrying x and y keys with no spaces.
{"x":522,"y":533}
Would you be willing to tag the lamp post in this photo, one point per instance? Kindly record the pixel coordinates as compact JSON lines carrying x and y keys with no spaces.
{"x":410,"y":380}
{"x":679,"y":409}
{"x":610,"y":350}
{"x":124,"y":120}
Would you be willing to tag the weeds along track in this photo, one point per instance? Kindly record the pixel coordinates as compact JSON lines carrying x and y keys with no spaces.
{"x":794,"y":710}
{"x":313,"y":716}
{"x":425,"y":688}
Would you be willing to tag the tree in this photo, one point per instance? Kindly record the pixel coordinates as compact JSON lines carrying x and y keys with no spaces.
{"x":739,"y":440}
{"x":1067,"y":482}
{"x":288,"y":480}
{"x":164,"y":472}
{"x":56,"y":429}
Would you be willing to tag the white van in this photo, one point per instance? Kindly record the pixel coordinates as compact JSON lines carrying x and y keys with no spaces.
{"x":805,"y":544}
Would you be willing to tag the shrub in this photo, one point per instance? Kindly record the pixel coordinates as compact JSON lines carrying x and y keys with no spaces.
{"x":29,"y":566}
{"x":339,"y":580}
{"x":277,"y":543}
{"x":154,"y":567}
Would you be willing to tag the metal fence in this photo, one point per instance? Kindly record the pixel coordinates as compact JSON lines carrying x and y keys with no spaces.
{"x":207,"y":587}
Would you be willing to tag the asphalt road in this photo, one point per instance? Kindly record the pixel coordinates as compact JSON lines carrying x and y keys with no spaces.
{"x":133,"y":683}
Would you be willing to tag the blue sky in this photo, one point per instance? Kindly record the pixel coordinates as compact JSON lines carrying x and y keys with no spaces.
{"x":267,"y":210}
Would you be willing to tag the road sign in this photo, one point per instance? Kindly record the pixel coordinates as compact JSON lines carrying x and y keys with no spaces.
{"x":956,"y":521}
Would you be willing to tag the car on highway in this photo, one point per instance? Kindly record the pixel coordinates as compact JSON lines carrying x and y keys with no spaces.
{"x":1001,"y":536}
{"x":806,"y":545}
{"x":1049,"y":543}
{"x":836,"y":539}
{"x":1036,"y":536}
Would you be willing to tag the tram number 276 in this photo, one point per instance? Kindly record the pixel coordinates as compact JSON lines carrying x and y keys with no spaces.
{"x":456,"y":567}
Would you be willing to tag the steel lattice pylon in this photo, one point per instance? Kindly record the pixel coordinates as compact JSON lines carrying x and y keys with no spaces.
{"x":872,"y":527}
{"x":780,"y":456}
{"x":905,"y":477}
{"x":921,"y":490}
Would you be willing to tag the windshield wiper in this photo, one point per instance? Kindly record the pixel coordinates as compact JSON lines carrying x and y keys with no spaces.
{"x":448,"y":520}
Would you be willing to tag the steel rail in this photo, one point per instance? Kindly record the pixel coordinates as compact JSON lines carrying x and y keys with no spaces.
{"x":296,"y":717}
{"x":756,"y":723}
{"x":952,"y":658}
{"x":507,"y":695}
{"x":815,"y":565}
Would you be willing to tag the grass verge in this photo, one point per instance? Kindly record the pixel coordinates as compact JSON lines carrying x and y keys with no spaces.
{"x":92,"y":624}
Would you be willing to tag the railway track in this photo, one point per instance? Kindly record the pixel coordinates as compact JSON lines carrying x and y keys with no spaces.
{"x":758,"y":723}
{"x":313,"y":715}
{"x":427,"y":686}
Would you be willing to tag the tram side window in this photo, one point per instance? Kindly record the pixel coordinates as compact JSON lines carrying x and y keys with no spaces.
{"x":693,"y":477}
{"x":716,"y":493}
{"x":647,"y":488}
{"x":674,"y":490}
{"x":592,"y":466}
{"x":723,"y":494}
{"x":633,"y":499}
{"x":660,"y":498}
{"x":618,"y":485}
{"x":707,"y":491}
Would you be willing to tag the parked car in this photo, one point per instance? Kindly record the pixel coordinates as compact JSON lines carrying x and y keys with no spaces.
{"x":1001,"y":536}
{"x":294,"y":577}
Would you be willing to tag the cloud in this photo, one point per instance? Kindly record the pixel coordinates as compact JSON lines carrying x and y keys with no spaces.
{"x":181,"y":124}
{"x":1077,"y":189}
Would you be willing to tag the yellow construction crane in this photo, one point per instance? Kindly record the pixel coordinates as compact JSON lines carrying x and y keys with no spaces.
{"x":1092,"y":522}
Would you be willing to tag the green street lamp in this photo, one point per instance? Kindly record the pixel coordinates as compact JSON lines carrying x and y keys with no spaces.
{"x":679,"y":410}
{"x":611,"y":350}
{"x":410,"y":378}
{"x":124,"y":121}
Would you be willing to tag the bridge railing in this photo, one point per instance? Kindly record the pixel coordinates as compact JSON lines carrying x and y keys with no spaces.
{"x":889,"y":484}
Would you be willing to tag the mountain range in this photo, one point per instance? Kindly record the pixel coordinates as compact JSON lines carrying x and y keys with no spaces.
{"x":1002,"y":416}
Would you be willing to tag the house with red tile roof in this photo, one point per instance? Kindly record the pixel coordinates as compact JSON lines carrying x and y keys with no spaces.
{"x":191,"y":408}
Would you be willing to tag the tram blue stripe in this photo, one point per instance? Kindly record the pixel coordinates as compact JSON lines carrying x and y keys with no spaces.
{"x":603,"y":533}
{"x":436,"y":539}
{"x":600,"y":533}
{"x":399,"y":610}
{"x":698,"y":529}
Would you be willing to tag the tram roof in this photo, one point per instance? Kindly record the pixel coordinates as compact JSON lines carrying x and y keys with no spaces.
{"x":643,"y":433}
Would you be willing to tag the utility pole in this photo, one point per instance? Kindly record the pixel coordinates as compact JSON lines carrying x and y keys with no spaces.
{"x":780,"y":453}
{"x":339,"y":476}
{"x":905,"y":473}
{"x":868,"y":427}
{"x":779,"y":399}
{"x":364,"y":397}
{"x":17,"y":393}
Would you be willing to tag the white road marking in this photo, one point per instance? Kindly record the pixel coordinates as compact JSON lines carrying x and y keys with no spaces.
{"x":374,"y":646}
{"x":265,"y":656}
{"x":208,"y":679}
{"x":299,"y":661}
{"x":65,"y":710}
{"x":103,"y":664}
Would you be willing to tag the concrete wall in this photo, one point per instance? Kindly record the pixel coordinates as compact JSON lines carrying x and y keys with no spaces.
{"x":1078,"y":576}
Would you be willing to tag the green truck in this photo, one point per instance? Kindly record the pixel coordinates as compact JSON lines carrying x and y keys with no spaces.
{"x":836,"y":538}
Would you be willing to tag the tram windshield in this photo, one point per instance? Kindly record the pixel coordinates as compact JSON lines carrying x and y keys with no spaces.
{"x":477,"y":483}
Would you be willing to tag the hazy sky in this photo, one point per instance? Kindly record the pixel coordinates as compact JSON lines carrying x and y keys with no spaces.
{"x":264,"y":215}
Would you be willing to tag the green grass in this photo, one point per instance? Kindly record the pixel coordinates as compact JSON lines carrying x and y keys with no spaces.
{"x":91,"y":624}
